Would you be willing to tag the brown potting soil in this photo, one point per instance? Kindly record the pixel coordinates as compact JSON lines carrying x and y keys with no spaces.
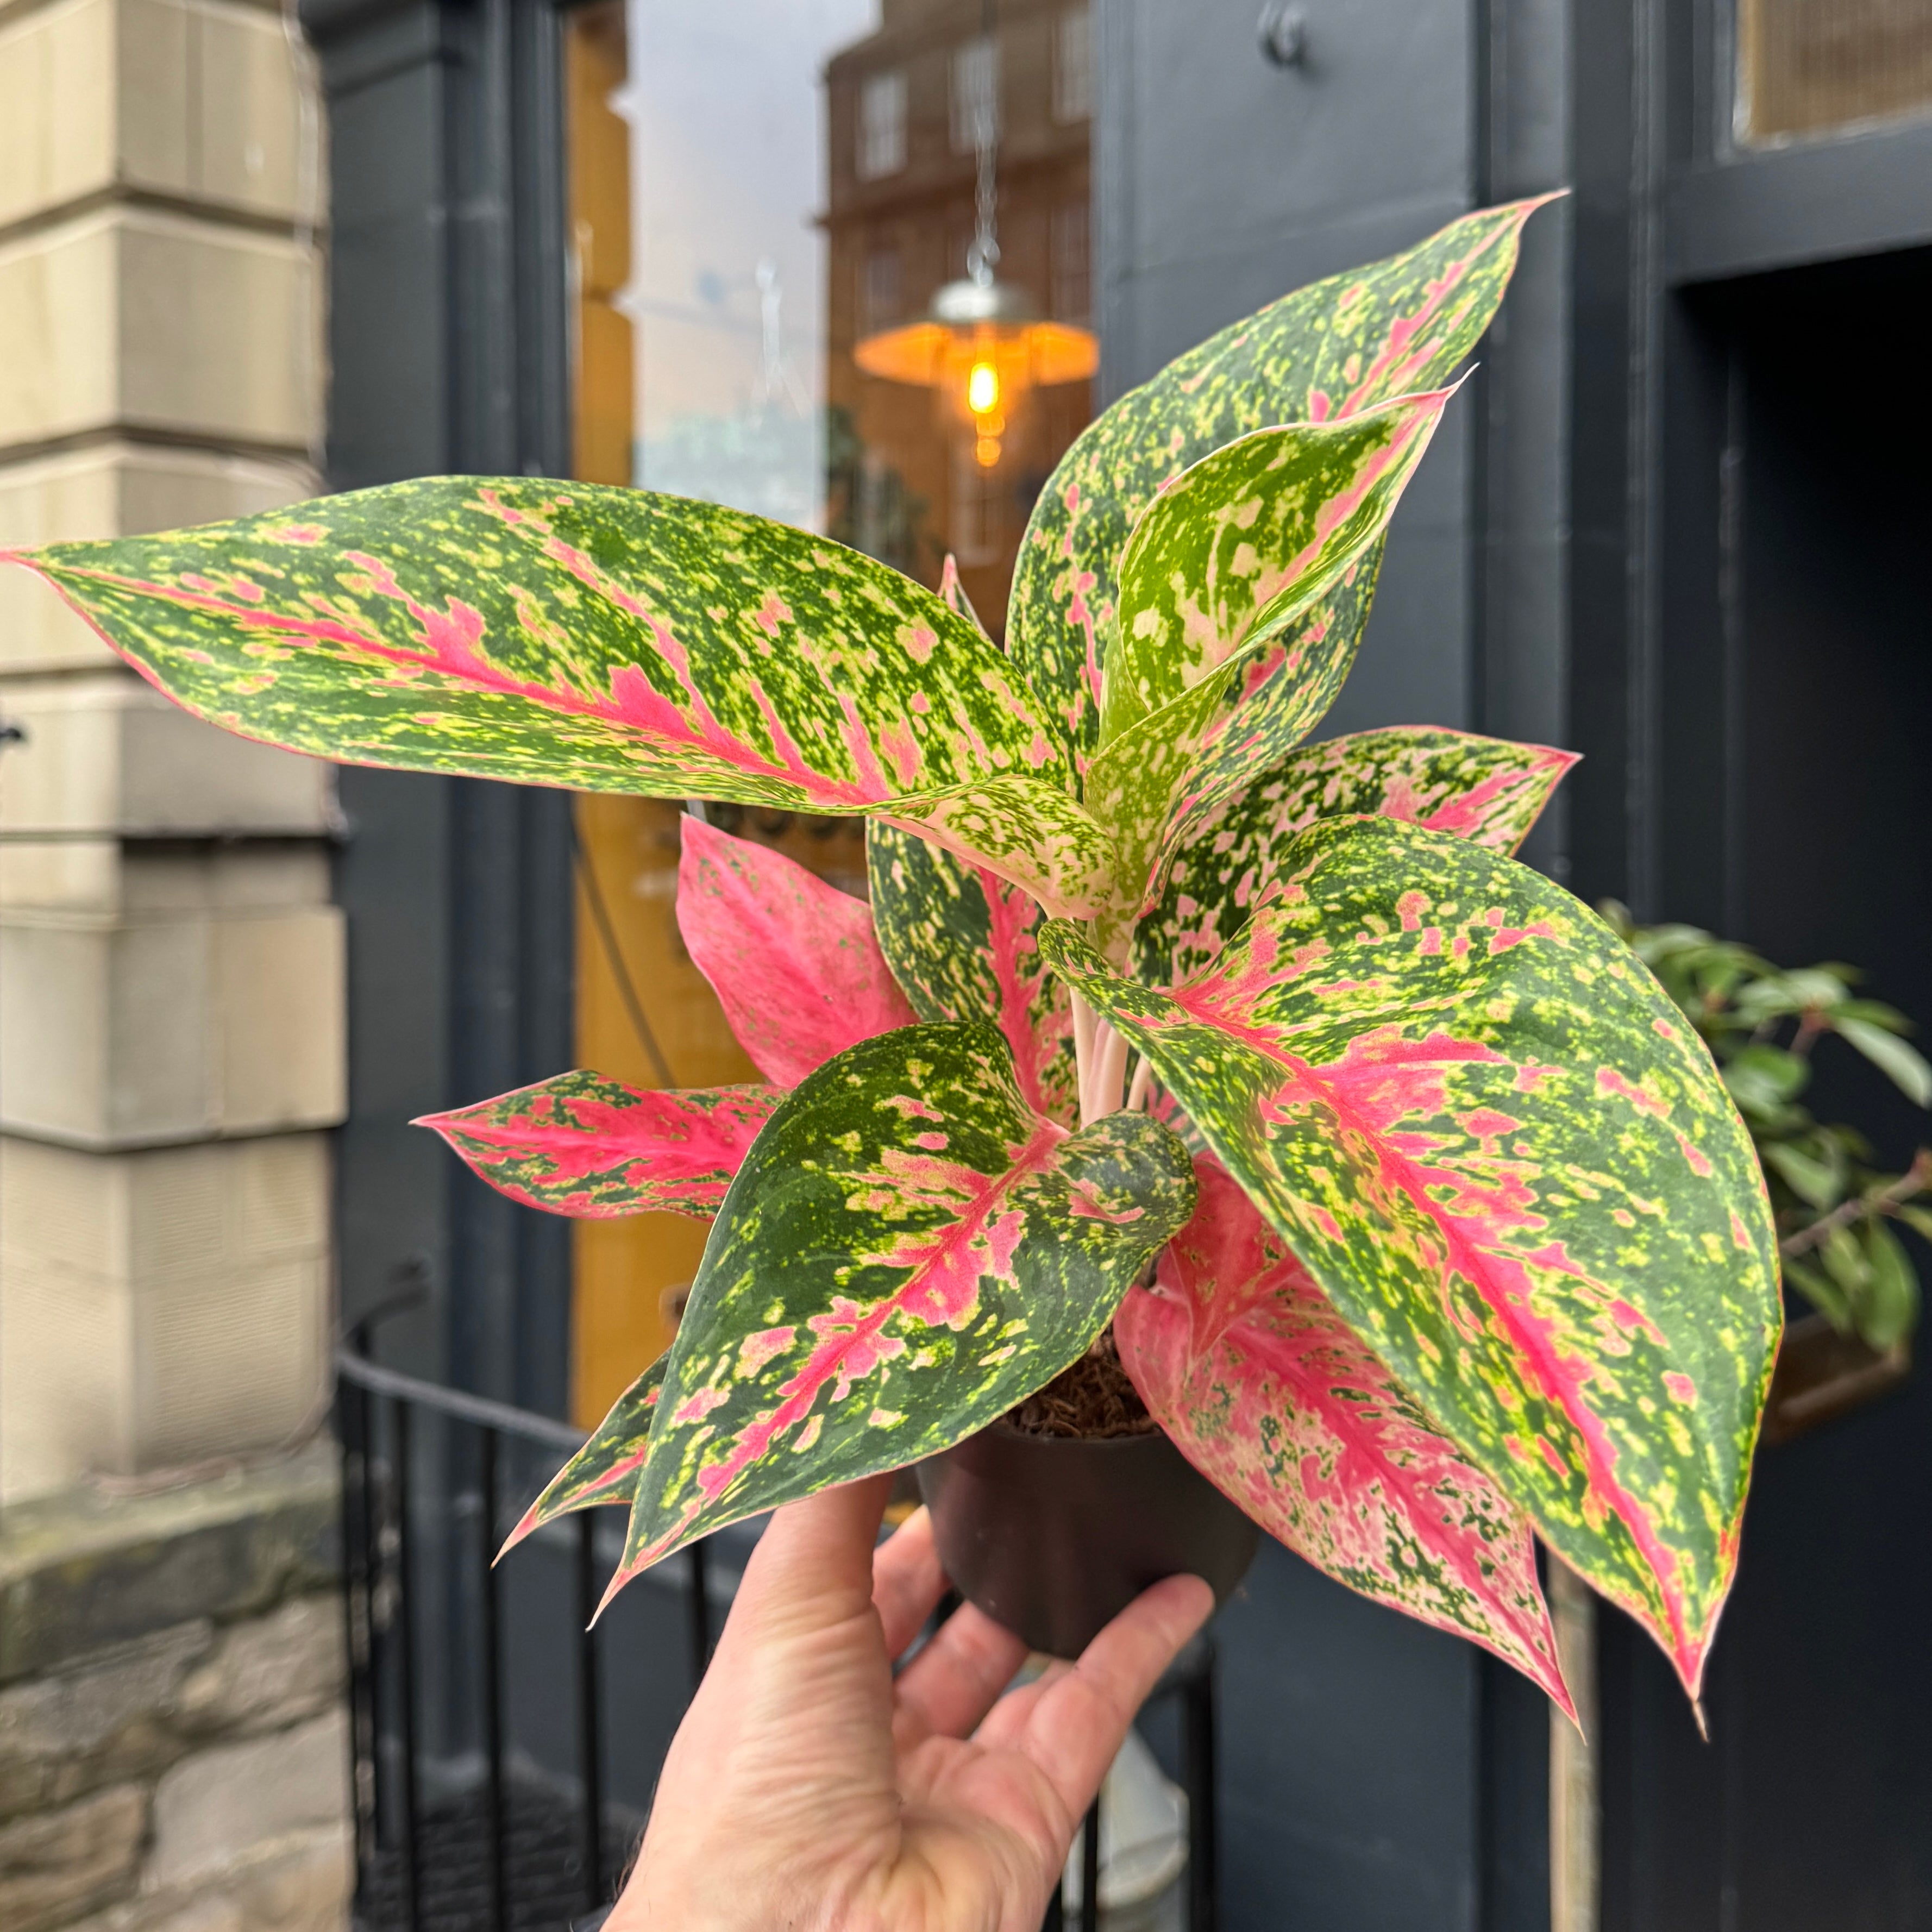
{"x":1093,"y":1398}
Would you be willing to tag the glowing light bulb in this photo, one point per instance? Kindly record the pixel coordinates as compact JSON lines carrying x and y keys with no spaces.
{"x":982,"y":389}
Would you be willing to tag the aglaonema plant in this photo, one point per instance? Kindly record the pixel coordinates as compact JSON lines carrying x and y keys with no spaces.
{"x":1422,"y":1220}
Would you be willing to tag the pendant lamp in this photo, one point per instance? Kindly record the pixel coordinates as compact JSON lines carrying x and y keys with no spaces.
{"x":981,"y":343}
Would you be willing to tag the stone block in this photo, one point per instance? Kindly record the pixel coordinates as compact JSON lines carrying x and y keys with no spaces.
{"x":202,"y":103}
{"x":158,"y":1309}
{"x":139,"y":1032}
{"x":131,"y":317}
{"x":160,"y":878}
{"x":54,"y":1865}
{"x":301,"y":1883}
{"x":113,"y":489}
{"x":213,"y":1809}
{"x":265,"y":1673}
{"x":109,"y":1717}
{"x":107,"y":752}
{"x":83,"y":1569}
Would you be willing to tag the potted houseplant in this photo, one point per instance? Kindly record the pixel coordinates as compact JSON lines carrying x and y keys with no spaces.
{"x":1418,"y":1219}
{"x":1837,"y":1214}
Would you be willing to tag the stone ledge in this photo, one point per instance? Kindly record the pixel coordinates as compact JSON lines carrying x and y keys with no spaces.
{"x":83,"y":1570}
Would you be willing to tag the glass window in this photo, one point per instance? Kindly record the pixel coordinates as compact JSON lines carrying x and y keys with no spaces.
{"x":976,"y":92}
{"x":1073,"y":66}
{"x":762,"y":193}
{"x":1809,"y":67}
{"x":882,"y":125}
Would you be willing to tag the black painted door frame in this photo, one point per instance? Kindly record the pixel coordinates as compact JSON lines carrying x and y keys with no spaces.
{"x":448,"y":340}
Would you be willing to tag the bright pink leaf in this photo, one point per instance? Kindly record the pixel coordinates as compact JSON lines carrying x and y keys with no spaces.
{"x":793,"y":961}
{"x":1266,"y":1390}
{"x":591,"y":1147}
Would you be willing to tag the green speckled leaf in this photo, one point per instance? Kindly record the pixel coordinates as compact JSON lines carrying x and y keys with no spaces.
{"x":1244,"y":543}
{"x":568,"y":633}
{"x":1219,"y":862}
{"x":586,"y":1145}
{"x":1335,"y":347}
{"x":606,"y":1469}
{"x":1491,"y":1138}
{"x":1036,"y":837}
{"x":961,"y":942}
{"x":1267,"y":1392}
{"x":907,"y":1252}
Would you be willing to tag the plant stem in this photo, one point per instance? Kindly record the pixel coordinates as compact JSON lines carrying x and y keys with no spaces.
{"x":1914,"y":1180}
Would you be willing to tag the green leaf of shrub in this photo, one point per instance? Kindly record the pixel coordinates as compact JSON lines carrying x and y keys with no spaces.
{"x":907,"y":1252}
{"x":1889,"y":1306}
{"x":1902,"y":1063}
{"x":1491,"y":1138}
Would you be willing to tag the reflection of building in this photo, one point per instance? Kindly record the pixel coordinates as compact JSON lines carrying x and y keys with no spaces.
{"x":901,"y":112}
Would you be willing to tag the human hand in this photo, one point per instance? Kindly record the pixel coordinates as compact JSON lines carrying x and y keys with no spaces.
{"x":810,"y":1790}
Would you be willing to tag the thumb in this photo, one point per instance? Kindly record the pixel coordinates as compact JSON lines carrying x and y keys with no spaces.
{"x":813,"y":1566}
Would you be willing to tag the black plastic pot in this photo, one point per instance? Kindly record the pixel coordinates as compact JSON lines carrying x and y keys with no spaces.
{"x":1053,"y":1536}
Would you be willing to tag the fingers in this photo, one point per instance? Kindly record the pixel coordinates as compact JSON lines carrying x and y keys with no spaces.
{"x":951,"y":1684}
{"x":907,"y":1580}
{"x":1077,"y":1720}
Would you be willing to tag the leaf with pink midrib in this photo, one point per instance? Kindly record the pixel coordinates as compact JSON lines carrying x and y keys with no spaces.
{"x":1267,"y":1390}
{"x":1221,"y":856}
{"x":909,"y":1251}
{"x":793,"y":961}
{"x":605,"y":1470}
{"x":567,"y":634}
{"x":1510,"y":1166}
{"x":961,"y":941}
{"x":586,"y":1145}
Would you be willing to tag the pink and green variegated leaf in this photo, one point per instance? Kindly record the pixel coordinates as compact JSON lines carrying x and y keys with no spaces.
{"x":1329,"y":349}
{"x":606,"y":1469}
{"x":567,"y":634}
{"x":1267,"y":1392}
{"x":1218,"y":863}
{"x":907,"y":1252}
{"x":952,"y":595}
{"x":591,"y":1147}
{"x":1251,"y":538}
{"x":1491,"y":1138}
{"x":1231,"y":553}
{"x":793,"y":960}
{"x":1028,"y":833}
{"x":961,"y":941}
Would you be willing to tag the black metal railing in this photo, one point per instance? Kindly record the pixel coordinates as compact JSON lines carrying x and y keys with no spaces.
{"x":477,"y":1807}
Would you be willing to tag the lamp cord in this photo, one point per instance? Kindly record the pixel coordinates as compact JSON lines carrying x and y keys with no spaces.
{"x":983,"y":257}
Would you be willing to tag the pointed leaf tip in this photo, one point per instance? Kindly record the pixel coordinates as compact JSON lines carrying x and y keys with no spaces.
{"x":589,"y":1146}
{"x":1509,"y":1163}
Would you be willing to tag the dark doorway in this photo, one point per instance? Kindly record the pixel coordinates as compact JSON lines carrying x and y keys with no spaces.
{"x":1797,"y":689}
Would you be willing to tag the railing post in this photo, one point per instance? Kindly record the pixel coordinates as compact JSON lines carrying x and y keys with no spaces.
{"x":404,"y":1626}
{"x":487,"y":1443}
{"x":1204,"y":1902}
{"x":589,"y":1730}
